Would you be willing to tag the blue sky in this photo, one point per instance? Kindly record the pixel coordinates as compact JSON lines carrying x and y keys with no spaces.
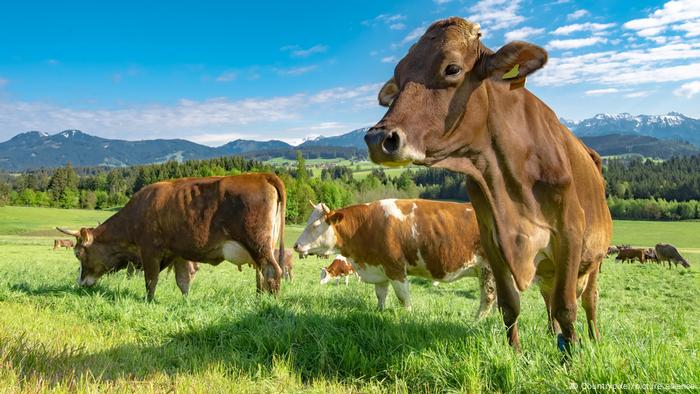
{"x":216,"y":71}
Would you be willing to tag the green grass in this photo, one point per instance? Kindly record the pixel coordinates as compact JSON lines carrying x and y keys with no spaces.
{"x":55,"y":336}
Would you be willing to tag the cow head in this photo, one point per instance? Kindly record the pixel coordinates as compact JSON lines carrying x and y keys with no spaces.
{"x":325,"y":276}
{"x":319,"y":236}
{"x":436,"y":108}
{"x":96,"y":258}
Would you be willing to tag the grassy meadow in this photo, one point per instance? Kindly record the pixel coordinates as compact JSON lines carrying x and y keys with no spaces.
{"x":55,"y":336}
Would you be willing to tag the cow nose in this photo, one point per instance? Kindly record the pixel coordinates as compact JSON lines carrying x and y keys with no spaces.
{"x":296,"y":247}
{"x":388,"y":140}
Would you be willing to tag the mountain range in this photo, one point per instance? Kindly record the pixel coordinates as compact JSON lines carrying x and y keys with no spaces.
{"x":660,"y":136}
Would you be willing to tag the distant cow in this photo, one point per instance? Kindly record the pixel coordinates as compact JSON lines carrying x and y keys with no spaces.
{"x":62,"y":243}
{"x":236,"y":218}
{"x":388,"y":240}
{"x":669,"y":253}
{"x":650,"y":255}
{"x":612,"y":250}
{"x":288,"y":264}
{"x":339,"y":268}
{"x":631,"y":254}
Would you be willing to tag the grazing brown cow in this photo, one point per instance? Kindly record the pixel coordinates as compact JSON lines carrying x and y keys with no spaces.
{"x":339,"y":268}
{"x":62,"y":243}
{"x":235,"y":218}
{"x":669,"y":253}
{"x":185,"y":272}
{"x":388,"y":240}
{"x":631,"y":254}
{"x":538,"y":191}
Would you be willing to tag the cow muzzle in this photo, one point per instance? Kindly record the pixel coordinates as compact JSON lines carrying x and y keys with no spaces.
{"x":388,"y":147}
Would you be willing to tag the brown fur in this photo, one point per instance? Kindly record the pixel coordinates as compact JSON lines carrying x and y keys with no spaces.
{"x":631,"y":254}
{"x":190,"y":219}
{"x":669,"y":253}
{"x":288,"y":264}
{"x":339,"y":268}
{"x":528,"y":175}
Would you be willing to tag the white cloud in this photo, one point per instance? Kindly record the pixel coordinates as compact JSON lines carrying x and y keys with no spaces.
{"x":496,"y":14}
{"x":594,"y":27}
{"x":667,"y":63}
{"x":688,"y":90}
{"x":389,"y":59}
{"x":577,"y":15}
{"x":575,"y":43}
{"x":297,"y":51}
{"x":397,"y":26}
{"x":392,"y":21}
{"x":3,"y":82}
{"x":441,"y":2}
{"x":297,"y":70}
{"x":598,"y":92}
{"x":215,"y":118}
{"x":523,"y":33}
{"x":642,"y":93}
{"x":227,"y":76}
{"x":414,"y":34}
{"x":678,"y":15}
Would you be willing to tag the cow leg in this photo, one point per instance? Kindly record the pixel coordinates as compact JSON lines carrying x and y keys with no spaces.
{"x":381,"y":290}
{"x":487,"y":287}
{"x":402,"y":292}
{"x":589,"y":300}
{"x":564,"y":298}
{"x":259,"y":281}
{"x":508,"y":303}
{"x":183,"y":275}
{"x":347,"y":279}
{"x":547,"y":297}
{"x":151,"y":270}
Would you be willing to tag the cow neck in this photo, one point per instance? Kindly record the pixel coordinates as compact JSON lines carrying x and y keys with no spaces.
{"x":504,"y":202}
{"x":346,"y":230}
{"x":114,"y":229}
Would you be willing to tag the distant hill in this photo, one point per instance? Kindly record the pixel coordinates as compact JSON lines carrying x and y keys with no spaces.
{"x":353,"y":139}
{"x":619,"y":144}
{"x":660,"y":136}
{"x":672,"y":126}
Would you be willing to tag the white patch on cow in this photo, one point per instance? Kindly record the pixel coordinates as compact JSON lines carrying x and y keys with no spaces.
{"x":371,"y":273}
{"x":414,"y":223}
{"x":391,"y":209}
{"x":468,"y":209}
{"x":236,"y":253}
{"x":318,"y":237}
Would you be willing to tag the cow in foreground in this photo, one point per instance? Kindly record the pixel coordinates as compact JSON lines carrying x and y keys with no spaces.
{"x":209,"y":220}
{"x":669,"y":253}
{"x":388,"y":240}
{"x":339,"y":268}
{"x":62,"y":243}
{"x":538,"y":191}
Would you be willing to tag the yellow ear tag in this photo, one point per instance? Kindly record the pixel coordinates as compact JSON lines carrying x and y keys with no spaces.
{"x":512,"y":73}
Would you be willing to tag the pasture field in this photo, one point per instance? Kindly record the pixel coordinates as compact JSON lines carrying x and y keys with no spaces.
{"x":55,"y":336}
{"x":360,"y":169}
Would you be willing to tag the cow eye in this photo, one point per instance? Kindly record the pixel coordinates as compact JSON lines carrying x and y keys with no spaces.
{"x":452,"y":70}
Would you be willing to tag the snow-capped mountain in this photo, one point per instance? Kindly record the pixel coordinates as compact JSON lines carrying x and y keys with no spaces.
{"x":673,"y":125}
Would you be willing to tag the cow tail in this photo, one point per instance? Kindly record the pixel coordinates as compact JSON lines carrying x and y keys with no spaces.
{"x":277,"y":183}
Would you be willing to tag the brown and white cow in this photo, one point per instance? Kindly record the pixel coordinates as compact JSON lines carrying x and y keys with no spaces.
{"x":388,"y":240}
{"x":234,"y":218}
{"x":538,"y":191}
{"x":62,"y":243}
{"x":340,"y":267}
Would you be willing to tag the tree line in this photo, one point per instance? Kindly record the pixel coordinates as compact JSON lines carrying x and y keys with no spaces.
{"x":637,"y":189}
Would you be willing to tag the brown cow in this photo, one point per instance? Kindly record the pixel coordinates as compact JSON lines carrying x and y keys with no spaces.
{"x":388,"y":240}
{"x":185,"y":272}
{"x":537,"y":189}
{"x":339,"y":268}
{"x":235,"y":218}
{"x":62,"y":243}
{"x":631,"y":254}
{"x":669,"y":253}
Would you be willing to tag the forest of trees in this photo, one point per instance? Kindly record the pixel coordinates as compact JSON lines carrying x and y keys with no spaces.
{"x":637,"y":189}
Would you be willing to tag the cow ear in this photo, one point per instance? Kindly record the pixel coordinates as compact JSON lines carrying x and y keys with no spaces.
{"x":86,"y":236}
{"x":388,"y":93}
{"x":513,"y":62}
{"x":334,"y":217}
